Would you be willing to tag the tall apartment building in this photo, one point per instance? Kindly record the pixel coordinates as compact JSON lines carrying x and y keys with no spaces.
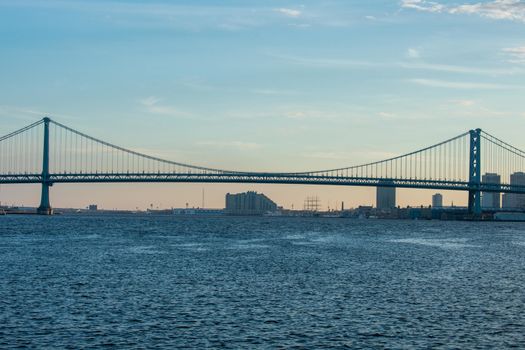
{"x":491,"y":200}
{"x":515,"y":200}
{"x":386,"y":198}
{"x":437,"y":200}
{"x":249,"y":203}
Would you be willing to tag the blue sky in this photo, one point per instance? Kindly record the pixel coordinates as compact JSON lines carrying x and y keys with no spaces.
{"x":266,"y":85}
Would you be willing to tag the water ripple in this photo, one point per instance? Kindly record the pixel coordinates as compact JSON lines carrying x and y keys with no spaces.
{"x":154,"y":282}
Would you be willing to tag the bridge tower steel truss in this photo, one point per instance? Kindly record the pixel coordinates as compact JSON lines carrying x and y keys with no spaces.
{"x":474,"y":193}
{"x":45,"y":205}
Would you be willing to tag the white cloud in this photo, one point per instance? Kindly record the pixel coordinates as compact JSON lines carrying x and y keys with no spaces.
{"x":422,"y":5}
{"x":460,"y":69}
{"x":497,"y":9}
{"x":386,"y":115}
{"x":464,"y":103}
{"x":289,"y":12}
{"x":413,"y":53}
{"x":150,"y":101}
{"x":517,"y":54}
{"x":460,"y":85}
{"x":297,"y":115}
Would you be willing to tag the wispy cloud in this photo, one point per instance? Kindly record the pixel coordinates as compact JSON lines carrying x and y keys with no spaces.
{"x":191,"y":16}
{"x":288,"y":12}
{"x":413,"y":53}
{"x":405,"y":116}
{"x":466,"y":108}
{"x":150,"y":101}
{"x":517,"y":54}
{"x":274,"y":92}
{"x":423,"y":5}
{"x":461,"y":85}
{"x":464,"y":103}
{"x":387,"y":115}
{"x":152,"y":105}
{"x":350,"y":156}
{"x":324,"y":62}
{"x":239,"y":145}
{"x":304,"y":114}
{"x":328,"y":155}
{"x":459,"y":69}
{"x":413,"y":64}
{"x":498,"y":9}
{"x":29,"y":113}
{"x":199,"y":84}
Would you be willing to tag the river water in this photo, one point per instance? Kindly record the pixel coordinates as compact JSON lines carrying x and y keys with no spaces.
{"x":233,"y":282}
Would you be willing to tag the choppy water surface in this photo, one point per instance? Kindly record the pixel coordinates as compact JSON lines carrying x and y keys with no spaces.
{"x":145,"y":281}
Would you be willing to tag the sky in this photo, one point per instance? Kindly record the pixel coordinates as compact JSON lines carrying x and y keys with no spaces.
{"x":261,"y":86}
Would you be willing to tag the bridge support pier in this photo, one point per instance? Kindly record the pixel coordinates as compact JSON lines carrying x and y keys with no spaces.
{"x":474,"y":203}
{"x":45,"y":206}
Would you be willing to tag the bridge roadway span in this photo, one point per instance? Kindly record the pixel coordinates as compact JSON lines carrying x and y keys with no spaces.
{"x":259,"y":178}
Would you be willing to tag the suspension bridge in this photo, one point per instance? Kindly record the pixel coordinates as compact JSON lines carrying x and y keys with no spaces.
{"x":47,"y":152}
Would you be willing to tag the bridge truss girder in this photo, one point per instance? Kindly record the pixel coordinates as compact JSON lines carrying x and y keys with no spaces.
{"x":262,"y":178}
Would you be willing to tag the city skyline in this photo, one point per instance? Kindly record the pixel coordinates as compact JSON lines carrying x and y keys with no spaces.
{"x":291,"y":86}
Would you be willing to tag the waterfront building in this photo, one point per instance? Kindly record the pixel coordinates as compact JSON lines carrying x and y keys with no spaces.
{"x":437,"y":200}
{"x":386,"y":197}
{"x":249,"y":203}
{"x":491,"y":200}
{"x":515,"y":200}
{"x":197,"y":211}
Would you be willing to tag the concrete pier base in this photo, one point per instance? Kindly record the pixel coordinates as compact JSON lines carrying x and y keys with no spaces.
{"x":44,"y":211}
{"x":45,"y":206}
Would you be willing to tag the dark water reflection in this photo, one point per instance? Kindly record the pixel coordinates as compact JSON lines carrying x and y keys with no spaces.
{"x":170,"y":282}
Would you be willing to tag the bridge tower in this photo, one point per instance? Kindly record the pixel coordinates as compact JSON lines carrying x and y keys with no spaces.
{"x":45,"y":206}
{"x":474,"y":194}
